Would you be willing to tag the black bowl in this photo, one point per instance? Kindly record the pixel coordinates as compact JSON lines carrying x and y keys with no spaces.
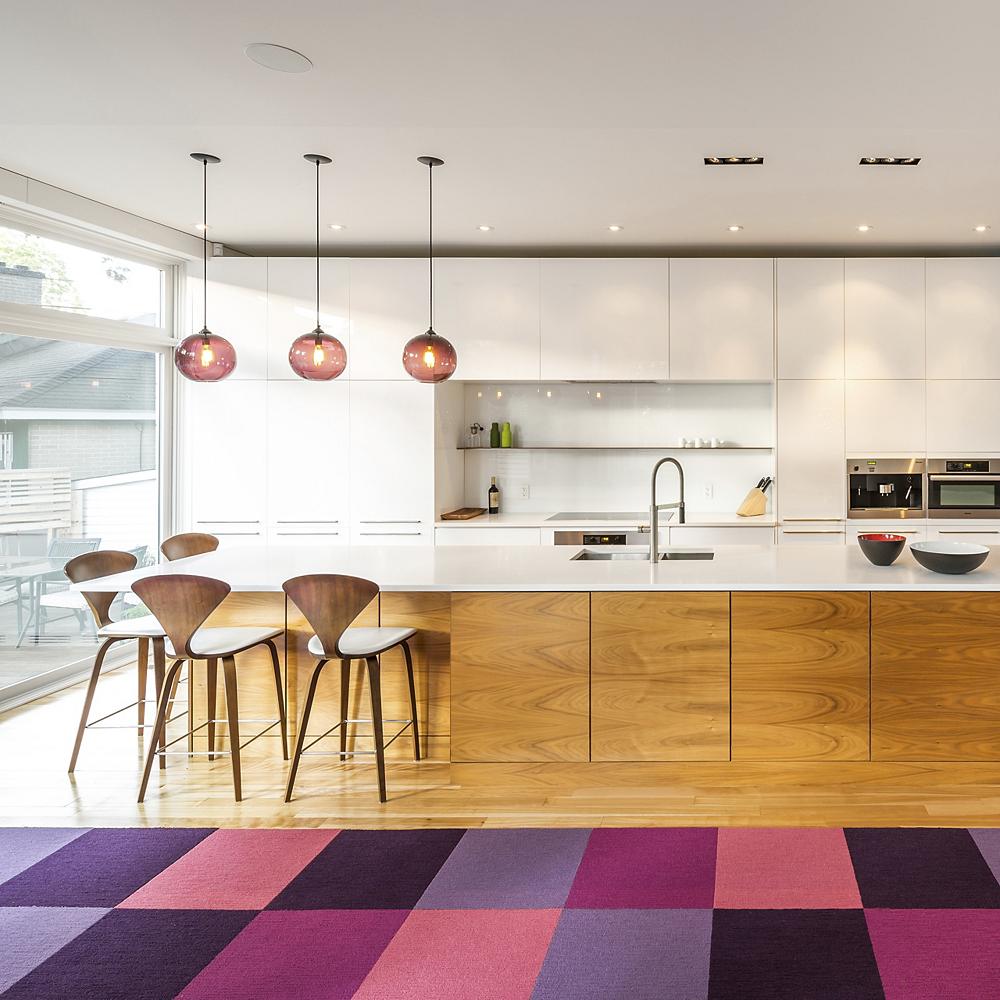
{"x":949,"y":557}
{"x":881,"y":548}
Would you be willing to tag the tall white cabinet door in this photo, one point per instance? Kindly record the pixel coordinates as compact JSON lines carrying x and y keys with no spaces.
{"x":392,"y":463}
{"x":488,"y":308}
{"x":884,"y":317}
{"x":604,"y":319}
{"x":963,"y":317}
{"x":237,"y":309}
{"x":809,"y":317}
{"x":291,"y":306}
{"x":722,"y":319}
{"x":308,"y":464}
{"x":811,"y":483}
{"x":389,"y":305}
{"x":224,"y":428}
{"x":886,"y":417}
{"x":963,"y":417}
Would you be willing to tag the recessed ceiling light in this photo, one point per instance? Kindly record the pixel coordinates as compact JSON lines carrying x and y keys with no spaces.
{"x":277,"y":57}
{"x":733,"y":161}
{"x":337,"y":227}
{"x":95,"y":383}
{"x":485,"y":229}
{"x":615,"y":229}
{"x":889,"y":161}
{"x":865,"y":228}
{"x":981,"y":228}
{"x":734,"y":229}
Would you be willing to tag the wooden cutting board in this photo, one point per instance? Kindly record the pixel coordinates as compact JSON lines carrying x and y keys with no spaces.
{"x":463,"y":514}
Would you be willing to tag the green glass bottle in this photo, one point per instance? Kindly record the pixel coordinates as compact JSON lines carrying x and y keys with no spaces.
{"x":506,"y":436}
{"x":494,"y":435}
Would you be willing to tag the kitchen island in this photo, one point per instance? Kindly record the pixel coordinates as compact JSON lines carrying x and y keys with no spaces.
{"x":768,"y":654}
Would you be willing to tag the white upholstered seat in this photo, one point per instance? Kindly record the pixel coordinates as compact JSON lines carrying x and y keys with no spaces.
{"x":218,"y":642}
{"x":146,"y":627}
{"x":361,"y":642}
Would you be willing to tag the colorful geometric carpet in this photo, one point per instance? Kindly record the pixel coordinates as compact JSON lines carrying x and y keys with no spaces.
{"x":637,"y":914}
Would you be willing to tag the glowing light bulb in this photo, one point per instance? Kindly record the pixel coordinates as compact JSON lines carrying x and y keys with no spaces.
{"x":429,"y":358}
{"x":319,"y":355}
{"x":207,"y":354}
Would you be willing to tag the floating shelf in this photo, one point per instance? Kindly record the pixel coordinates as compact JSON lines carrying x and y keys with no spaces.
{"x":620,"y":447}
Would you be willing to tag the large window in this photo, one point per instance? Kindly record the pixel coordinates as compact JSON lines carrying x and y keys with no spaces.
{"x":81,"y":427}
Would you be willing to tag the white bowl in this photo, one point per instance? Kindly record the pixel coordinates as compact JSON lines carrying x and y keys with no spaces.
{"x":950,"y":557}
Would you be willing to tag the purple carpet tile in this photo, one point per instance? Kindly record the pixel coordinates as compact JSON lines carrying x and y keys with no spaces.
{"x":988,"y":842}
{"x":100,"y":868}
{"x":21,"y":847}
{"x":921,"y":869}
{"x":507,"y":869}
{"x":792,"y":955}
{"x":133,"y":955}
{"x":640,"y":869}
{"x":628,"y":955}
{"x":298,"y":954}
{"x":29,"y":935}
{"x":370,"y":870}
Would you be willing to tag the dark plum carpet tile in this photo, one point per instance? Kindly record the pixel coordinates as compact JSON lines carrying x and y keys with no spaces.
{"x":637,"y":914}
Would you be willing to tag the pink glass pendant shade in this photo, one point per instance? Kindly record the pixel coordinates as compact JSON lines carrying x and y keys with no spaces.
{"x":317,"y":356}
{"x":429,"y":358}
{"x":205,"y":357}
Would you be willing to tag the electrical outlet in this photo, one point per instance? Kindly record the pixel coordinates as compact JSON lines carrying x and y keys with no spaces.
{"x":525,"y":492}
{"x":709,"y":491}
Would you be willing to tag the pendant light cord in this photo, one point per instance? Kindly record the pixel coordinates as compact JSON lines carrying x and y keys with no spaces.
{"x":430,"y":237}
{"x":317,"y":244}
{"x":204,"y":244}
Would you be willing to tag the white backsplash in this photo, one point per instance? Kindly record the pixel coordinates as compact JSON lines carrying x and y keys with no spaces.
{"x":616,"y":416}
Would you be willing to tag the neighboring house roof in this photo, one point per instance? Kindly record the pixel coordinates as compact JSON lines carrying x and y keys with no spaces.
{"x":40,"y":374}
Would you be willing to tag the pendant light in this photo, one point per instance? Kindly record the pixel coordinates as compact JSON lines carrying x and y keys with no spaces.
{"x":205,"y":356}
{"x":429,"y":357}
{"x":317,"y":356}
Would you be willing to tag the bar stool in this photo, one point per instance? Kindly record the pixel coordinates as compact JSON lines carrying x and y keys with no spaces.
{"x":146,"y":629}
{"x":190,"y":543}
{"x":330,"y":603}
{"x":182,"y":604}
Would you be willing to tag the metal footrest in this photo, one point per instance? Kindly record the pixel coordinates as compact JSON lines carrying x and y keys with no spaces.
{"x":306,"y":752}
{"x":163,"y":751}
{"x":118,"y":711}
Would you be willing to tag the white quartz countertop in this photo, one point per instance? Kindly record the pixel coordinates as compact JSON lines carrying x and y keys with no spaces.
{"x":713,"y":519}
{"x":549,"y":568}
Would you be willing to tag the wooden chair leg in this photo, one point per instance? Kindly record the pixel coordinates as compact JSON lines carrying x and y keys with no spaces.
{"x":88,"y":700}
{"x":300,"y":737}
{"x":345,"y":693}
{"x":212,"y":699}
{"x":159,"y":673}
{"x":413,"y":700}
{"x":160,"y":723}
{"x":375,"y":689}
{"x":233,"y":716}
{"x":279,"y":689}
{"x":142,"y":667}
{"x":190,"y":706}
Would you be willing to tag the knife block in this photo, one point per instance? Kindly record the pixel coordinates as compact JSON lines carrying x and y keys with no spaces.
{"x":754,"y":503}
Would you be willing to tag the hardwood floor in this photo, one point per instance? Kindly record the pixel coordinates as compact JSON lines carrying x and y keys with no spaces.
{"x":35,"y":789}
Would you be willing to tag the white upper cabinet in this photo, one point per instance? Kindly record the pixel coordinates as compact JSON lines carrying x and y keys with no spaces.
{"x":488,"y":308}
{"x":291,"y":306}
{"x":884,"y":317}
{"x":389,"y":305}
{"x":963,"y":317}
{"x":809,"y":317}
{"x":810,"y":449}
{"x":237,"y":309}
{"x":308,"y":465}
{"x":604,"y":320}
{"x":886,"y":417}
{"x":722,"y":319}
{"x":963,"y":417}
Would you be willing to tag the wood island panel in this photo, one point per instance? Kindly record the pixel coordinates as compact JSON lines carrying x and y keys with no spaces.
{"x":800,"y":676}
{"x":659,"y":676}
{"x":520,"y":677}
{"x":936,"y":676}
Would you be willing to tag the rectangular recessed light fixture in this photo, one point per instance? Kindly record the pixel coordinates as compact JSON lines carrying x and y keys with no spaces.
{"x":733,"y":161}
{"x":889,"y":161}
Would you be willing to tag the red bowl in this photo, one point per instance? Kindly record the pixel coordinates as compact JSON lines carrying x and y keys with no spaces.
{"x":880,"y":547}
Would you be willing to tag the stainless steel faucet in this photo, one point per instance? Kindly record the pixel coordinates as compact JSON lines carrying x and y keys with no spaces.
{"x":655,"y":508}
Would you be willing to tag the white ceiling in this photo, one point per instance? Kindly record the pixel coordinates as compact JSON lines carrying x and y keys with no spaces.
{"x":555,"y":118}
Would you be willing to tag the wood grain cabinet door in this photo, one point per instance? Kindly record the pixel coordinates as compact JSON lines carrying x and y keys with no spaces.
{"x":800,"y":667}
{"x":660,"y":676}
{"x":936,"y":676}
{"x":520,"y":674}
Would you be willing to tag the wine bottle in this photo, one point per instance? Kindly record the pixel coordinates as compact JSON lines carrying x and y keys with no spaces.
{"x":493,"y":497}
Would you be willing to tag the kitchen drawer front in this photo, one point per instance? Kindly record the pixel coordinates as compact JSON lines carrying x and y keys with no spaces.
{"x":233,"y":532}
{"x":738,"y":534}
{"x":982,"y":534}
{"x":487,"y":536}
{"x":304,"y":532}
{"x":811,"y":533}
{"x":379,"y":531}
{"x":911,"y":532}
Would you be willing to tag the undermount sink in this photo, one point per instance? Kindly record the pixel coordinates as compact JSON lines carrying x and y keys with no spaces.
{"x":604,"y":555}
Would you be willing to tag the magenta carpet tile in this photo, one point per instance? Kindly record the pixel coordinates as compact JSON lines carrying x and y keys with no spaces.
{"x":666,"y":914}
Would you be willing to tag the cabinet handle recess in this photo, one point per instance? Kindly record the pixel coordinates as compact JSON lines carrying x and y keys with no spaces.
{"x":212,"y":520}
{"x":977,"y":531}
{"x":817,"y":520}
{"x":309,"y":534}
{"x":814,"y":531}
{"x":384,"y":533}
{"x":391,"y":520}
{"x":308,"y":520}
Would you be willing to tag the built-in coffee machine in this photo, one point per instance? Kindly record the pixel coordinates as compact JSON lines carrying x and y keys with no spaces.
{"x":885,"y":487}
